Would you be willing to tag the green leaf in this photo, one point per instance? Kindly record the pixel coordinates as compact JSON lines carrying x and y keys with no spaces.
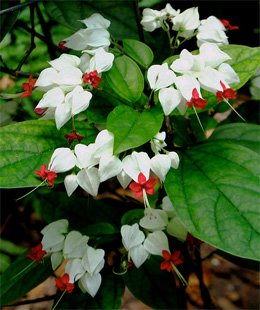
{"x":131,"y":128}
{"x":125,"y":79}
{"x":247,"y":135}
{"x":132,"y":216}
{"x":7,"y":20}
{"x":140,"y":52}
{"x":146,"y":285}
{"x":216,"y":195}
{"x":25,"y":146}
{"x":21,"y":277}
{"x":5,"y":262}
{"x":100,"y":228}
{"x":120,"y":13}
{"x":245,"y":61}
{"x":9,"y":247}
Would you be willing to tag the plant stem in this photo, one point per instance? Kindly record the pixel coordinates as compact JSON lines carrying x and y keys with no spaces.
{"x":208,"y":304}
{"x":18,"y":7}
{"x":32,"y":44}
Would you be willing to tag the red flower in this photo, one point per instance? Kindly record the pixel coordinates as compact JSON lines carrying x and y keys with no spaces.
{"x":72,"y":136}
{"x":227,"y":93}
{"x":39,"y":111}
{"x":46,"y":174}
{"x":196,"y":101}
{"x":227,"y":25}
{"x":62,"y":46}
{"x":170,"y":259}
{"x":63,"y":283}
{"x":148,"y":185}
{"x":37,"y":253}
{"x":28,"y":87}
{"x":93,"y":78}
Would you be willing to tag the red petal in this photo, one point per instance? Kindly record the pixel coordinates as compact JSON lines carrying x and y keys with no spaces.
{"x":165,"y":265}
{"x":150,"y":183}
{"x":195,"y":93}
{"x":150,"y":191}
{"x":135,"y":187}
{"x":166,"y":255}
{"x":141,"y":179}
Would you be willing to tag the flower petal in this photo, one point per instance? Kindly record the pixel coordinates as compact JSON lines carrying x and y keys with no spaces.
{"x":156,"y":242}
{"x":89,"y":180}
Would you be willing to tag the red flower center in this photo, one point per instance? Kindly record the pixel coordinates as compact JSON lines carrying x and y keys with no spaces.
{"x":63,"y":283}
{"x":170,"y":259}
{"x":92,"y":78}
{"x":72,"y":136}
{"x":28,"y":87}
{"x":227,"y":25}
{"x":227,"y":93}
{"x":45,"y":174}
{"x":37,"y":253}
{"x":142,"y":184}
{"x":196,"y":101}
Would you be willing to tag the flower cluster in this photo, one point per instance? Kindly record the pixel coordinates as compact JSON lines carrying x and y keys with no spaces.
{"x":70,"y":79}
{"x":187,"y":24}
{"x":83,"y":262}
{"x":179,"y":85}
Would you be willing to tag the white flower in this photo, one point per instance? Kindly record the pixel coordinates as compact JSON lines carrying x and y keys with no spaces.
{"x":75,"y":245}
{"x":211,"y":30}
{"x":185,"y":84}
{"x":169,"y":98}
{"x":93,"y":260}
{"x":135,"y":163}
{"x":157,"y":142}
{"x":210,"y":80}
{"x":90,"y":283}
{"x":151,"y":19}
{"x":124,"y":179}
{"x":109,"y":166}
{"x":101,"y":61}
{"x":168,"y":207}
{"x":64,"y":72}
{"x":160,"y":165}
{"x":188,"y":64}
{"x":62,"y":160}
{"x":186,"y":22}
{"x":156,"y":242}
{"x":70,"y":183}
{"x":104,"y":143}
{"x":228,"y":74}
{"x":96,"y":20}
{"x":169,"y":11}
{"x":74,"y":269}
{"x":53,"y":240}
{"x":160,"y":76}
{"x":175,"y":160}
{"x":212,"y":55}
{"x":89,"y":180}
{"x":154,"y":219}
{"x":132,"y":239}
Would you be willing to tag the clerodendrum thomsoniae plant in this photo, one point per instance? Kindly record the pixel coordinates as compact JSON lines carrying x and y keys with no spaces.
{"x":138,"y":131}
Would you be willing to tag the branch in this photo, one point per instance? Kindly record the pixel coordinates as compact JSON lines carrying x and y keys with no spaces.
{"x":32,"y":44}
{"x":32,"y":301}
{"x":47,"y":34}
{"x":16,"y":73}
{"x":208,"y":304}
{"x":18,"y":7}
{"x":138,"y":20}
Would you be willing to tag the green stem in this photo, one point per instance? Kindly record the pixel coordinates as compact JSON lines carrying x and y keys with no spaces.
{"x":54,"y":307}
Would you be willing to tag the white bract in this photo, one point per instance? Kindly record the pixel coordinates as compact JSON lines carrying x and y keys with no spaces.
{"x":160,"y":76}
{"x":169,"y":98}
{"x":91,"y":38}
{"x":169,"y":11}
{"x":211,"y":30}
{"x":156,"y":242}
{"x":158,"y":142}
{"x":62,"y":160}
{"x":132,"y":239}
{"x":101,"y":61}
{"x":152,"y":19}
{"x":154,"y":219}
{"x":64,"y":72}
{"x":186,"y":22}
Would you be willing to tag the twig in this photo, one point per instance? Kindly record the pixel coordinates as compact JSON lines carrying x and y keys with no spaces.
{"x":47,"y":34}
{"x":23,"y":25}
{"x":208,"y":304}
{"x":18,"y":7}
{"x":32,"y":44}
{"x":17,"y":73}
{"x":138,"y":20}
{"x":32,"y":301}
